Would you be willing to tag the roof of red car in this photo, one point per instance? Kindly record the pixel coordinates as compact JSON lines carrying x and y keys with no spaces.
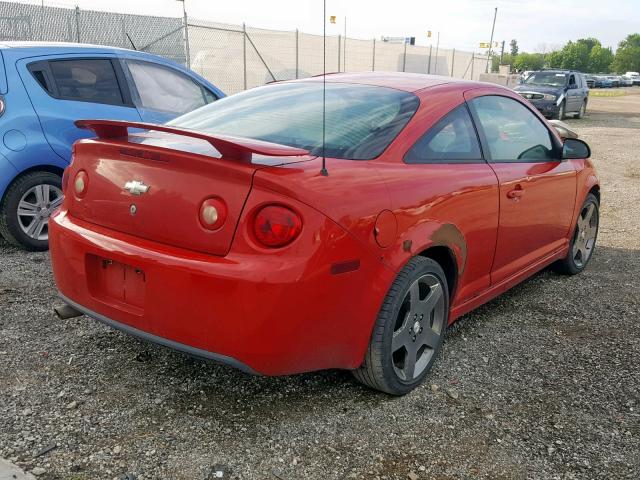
{"x":409,"y":82}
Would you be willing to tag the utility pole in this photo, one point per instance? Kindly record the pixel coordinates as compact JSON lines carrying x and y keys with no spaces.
{"x":185,"y":34}
{"x":502,"y":52}
{"x":344,"y":55}
{"x":435,"y":68}
{"x":495,"y":14}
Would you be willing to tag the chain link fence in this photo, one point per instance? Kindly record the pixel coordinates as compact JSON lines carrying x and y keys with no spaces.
{"x":233,"y":57}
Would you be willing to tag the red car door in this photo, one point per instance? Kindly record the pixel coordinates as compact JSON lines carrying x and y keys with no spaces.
{"x":537,"y":189}
{"x":443,"y":178}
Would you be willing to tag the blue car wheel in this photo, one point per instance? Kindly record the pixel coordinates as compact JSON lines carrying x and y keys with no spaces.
{"x":25,"y":210}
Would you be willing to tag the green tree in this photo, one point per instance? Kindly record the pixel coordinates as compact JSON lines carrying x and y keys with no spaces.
{"x":589,"y":42}
{"x":600,"y":60}
{"x":575,"y":56}
{"x":514,"y":47}
{"x":554,"y":59}
{"x":528,"y":61}
{"x":627,"y":58}
{"x":507,"y":59}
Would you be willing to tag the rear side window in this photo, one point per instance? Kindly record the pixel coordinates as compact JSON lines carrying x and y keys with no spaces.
{"x":88,"y":80}
{"x":452,"y":140}
{"x":512,"y":132}
{"x":163,"y":89}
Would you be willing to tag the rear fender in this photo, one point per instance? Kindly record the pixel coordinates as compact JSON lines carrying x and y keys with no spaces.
{"x":426,"y":235}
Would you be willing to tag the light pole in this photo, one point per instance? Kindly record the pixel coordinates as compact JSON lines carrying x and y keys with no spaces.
{"x":435,"y":68}
{"x":344,"y":55}
{"x":185,"y":32}
{"x":495,"y":14}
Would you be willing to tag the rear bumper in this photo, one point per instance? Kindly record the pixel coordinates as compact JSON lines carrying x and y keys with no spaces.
{"x":196,"y":352}
{"x":259,"y":313}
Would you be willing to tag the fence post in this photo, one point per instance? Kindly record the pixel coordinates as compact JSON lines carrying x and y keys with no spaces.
{"x":429,"y":65}
{"x":453,"y":59}
{"x":244,"y":55}
{"x":187,"y":52}
{"x":297,"y":55}
{"x":404,"y":57}
{"x":77,"y":24}
{"x":339,"y":48}
{"x":473,"y":60}
{"x":373,"y":62}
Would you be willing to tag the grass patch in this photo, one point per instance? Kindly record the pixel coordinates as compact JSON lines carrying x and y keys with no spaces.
{"x":607,"y":93}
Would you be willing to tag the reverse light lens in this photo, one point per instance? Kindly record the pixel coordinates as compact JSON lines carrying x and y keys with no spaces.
{"x":276,"y":226}
{"x":80,"y":183}
{"x":213,"y":213}
{"x":1,"y":106}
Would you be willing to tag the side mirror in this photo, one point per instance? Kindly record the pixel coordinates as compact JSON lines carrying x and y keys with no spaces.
{"x":575,"y":149}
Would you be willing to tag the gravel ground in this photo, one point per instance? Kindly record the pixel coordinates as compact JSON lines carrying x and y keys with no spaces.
{"x":541,"y":383}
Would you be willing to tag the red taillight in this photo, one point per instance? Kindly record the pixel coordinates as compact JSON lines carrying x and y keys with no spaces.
{"x":80,"y":184}
{"x":213,"y":213}
{"x":276,"y":226}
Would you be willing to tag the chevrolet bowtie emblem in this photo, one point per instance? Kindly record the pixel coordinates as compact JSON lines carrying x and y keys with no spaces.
{"x":135,"y":187}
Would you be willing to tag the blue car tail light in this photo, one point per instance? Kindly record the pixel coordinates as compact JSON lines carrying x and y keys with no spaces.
{"x":1,"y":106}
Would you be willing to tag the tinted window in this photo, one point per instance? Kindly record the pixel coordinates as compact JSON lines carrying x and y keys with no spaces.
{"x":361,"y":120}
{"x":39,"y":75}
{"x":87,"y":80}
{"x":163,"y":89}
{"x":452,"y":139}
{"x":513,"y":133}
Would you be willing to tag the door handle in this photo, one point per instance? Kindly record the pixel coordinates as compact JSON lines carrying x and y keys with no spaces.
{"x":516,"y":194}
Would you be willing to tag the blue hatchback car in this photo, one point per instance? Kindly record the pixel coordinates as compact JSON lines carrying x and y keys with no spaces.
{"x":44,"y":88}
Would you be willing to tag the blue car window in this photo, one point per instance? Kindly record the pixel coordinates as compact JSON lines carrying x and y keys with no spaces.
{"x":166,"y":90}
{"x":88,"y":80}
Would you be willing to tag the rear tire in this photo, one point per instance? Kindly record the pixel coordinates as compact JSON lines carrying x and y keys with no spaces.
{"x":409,"y":330}
{"x":28,"y":193}
{"x":583,"y":110}
{"x":583,"y":241}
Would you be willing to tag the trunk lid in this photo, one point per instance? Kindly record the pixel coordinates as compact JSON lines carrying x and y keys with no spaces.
{"x":180,"y":175}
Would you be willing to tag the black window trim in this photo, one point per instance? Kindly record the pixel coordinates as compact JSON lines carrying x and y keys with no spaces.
{"x":134,"y":88}
{"x":482,"y":158}
{"x":557,"y":146}
{"x":45,"y":67}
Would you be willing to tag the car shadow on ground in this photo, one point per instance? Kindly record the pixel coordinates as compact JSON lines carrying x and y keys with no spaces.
{"x":182,"y":383}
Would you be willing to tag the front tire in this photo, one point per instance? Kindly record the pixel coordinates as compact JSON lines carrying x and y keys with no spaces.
{"x":561,"y":111}
{"x":409,"y":330}
{"x":583,"y":241}
{"x":25,"y":210}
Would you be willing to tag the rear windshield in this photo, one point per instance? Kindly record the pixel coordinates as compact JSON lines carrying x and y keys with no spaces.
{"x":361,"y":120}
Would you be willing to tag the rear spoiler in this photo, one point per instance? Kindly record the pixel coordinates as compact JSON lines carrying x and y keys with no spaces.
{"x":228,"y":146}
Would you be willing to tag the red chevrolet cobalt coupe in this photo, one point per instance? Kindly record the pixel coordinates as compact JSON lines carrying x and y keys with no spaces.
{"x":221,"y":234}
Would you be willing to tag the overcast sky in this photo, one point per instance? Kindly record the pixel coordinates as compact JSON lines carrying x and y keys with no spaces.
{"x":536,"y":24}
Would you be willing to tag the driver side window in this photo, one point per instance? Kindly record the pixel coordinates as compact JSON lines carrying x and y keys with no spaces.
{"x":512,"y":132}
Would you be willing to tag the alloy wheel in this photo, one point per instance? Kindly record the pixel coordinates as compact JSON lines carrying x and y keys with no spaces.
{"x":419,"y":326}
{"x":585,"y":236}
{"x":35,"y":207}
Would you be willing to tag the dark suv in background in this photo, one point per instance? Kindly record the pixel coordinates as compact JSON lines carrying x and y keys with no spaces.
{"x":556,"y":93}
